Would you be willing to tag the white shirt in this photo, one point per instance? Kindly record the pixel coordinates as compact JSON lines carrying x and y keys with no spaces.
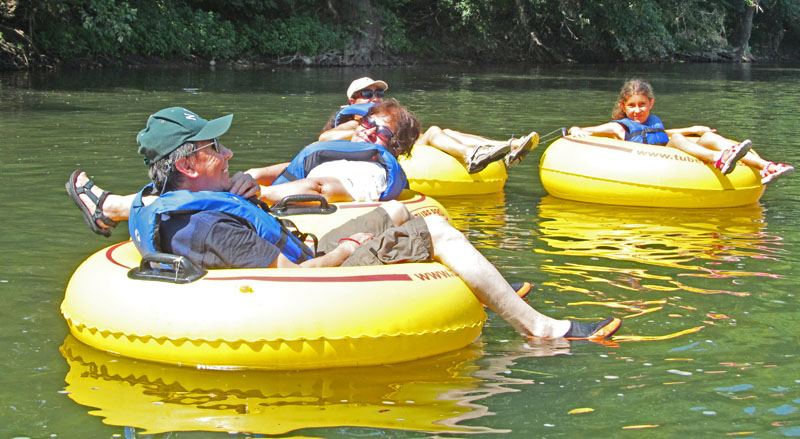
{"x":364,"y":181}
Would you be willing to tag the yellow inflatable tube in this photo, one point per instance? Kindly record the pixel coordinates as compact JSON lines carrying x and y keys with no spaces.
{"x":433,"y":172}
{"x":609,"y":171}
{"x":271,"y":318}
{"x":275,"y":318}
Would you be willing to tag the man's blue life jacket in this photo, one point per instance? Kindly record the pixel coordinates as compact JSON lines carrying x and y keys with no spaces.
{"x":351,"y":110}
{"x":650,"y":132}
{"x":143,"y":220}
{"x":321,"y":152}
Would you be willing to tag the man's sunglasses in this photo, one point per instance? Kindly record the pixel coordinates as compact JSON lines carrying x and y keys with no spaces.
{"x":214,"y":145}
{"x":367,"y":94}
{"x":382,"y":131}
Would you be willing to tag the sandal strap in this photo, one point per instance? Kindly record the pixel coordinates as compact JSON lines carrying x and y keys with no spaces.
{"x":86,"y":189}
{"x":473,"y":153}
{"x":98,"y":210}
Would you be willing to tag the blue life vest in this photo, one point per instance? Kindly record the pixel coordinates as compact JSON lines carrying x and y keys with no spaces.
{"x":321,"y":152}
{"x":650,"y":132}
{"x":355,"y":109}
{"x":143,"y":220}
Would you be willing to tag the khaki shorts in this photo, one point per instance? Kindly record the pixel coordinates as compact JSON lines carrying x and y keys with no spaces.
{"x":410,"y":242}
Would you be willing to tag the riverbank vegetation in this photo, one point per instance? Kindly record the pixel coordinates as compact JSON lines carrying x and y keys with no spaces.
{"x":48,"y":33}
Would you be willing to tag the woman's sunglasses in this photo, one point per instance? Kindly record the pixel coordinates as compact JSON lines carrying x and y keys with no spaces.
{"x":367,"y":94}
{"x":383,"y":132}
{"x":214,"y":145}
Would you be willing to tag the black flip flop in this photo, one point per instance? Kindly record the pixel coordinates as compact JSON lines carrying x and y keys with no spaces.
{"x":593,"y":331}
{"x":91,"y":218}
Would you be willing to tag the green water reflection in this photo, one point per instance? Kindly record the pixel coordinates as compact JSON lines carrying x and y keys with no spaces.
{"x":729,"y":272}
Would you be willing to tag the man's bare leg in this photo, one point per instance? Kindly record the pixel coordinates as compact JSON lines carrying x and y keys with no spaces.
{"x":451,"y":248}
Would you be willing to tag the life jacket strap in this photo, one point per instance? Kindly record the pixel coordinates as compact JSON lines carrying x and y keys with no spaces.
{"x":287,"y":175}
{"x":288,"y":227}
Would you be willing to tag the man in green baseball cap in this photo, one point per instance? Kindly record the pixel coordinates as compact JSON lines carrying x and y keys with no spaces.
{"x":178,"y":145}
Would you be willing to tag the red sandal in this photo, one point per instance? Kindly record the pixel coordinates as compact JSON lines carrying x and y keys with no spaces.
{"x":779,"y":170}
{"x":735,"y":153}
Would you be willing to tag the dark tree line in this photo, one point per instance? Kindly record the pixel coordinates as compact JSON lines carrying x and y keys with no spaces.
{"x":43,"y":33}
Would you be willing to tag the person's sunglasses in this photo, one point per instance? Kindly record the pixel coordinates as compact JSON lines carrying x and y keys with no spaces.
{"x":382,"y":131}
{"x":367,"y":94}
{"x":214,"y":145}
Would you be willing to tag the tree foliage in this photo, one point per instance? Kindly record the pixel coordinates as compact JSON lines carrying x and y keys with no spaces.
{"x":364,"y":31}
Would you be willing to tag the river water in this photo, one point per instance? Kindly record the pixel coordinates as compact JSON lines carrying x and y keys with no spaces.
{"x":709,"y":343}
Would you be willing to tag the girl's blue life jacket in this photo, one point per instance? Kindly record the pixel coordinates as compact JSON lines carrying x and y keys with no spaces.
{"x":650,"y":132}
{"x":143,"y":220}
{"x":352,"y":110}
{"x":321,"y":152}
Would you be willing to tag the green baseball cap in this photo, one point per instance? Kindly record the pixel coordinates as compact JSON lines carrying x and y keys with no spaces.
{"x":171,"y":127}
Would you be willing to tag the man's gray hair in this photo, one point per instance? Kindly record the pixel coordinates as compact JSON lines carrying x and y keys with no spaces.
{"x":163,"y":173}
